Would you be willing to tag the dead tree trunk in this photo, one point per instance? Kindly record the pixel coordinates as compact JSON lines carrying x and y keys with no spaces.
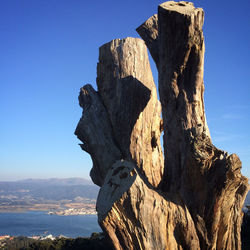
{"x":193,"y":199}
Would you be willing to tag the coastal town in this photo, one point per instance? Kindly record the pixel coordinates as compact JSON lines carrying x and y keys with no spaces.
{"x":75,"y":211}
{"x":5,"y":238}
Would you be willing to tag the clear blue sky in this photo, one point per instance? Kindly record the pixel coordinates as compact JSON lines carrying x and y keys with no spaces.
{"x":49,"y":49}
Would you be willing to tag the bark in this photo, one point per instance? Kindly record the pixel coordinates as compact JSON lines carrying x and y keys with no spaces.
{"x":126,"y":86}
{"x":94,"y":130}
{"x":149,"y":33}
{"x":194,"y":199}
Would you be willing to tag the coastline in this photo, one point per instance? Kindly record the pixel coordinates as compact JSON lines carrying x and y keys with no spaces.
{"x":58,"y":209}
{"x":40,"y":223}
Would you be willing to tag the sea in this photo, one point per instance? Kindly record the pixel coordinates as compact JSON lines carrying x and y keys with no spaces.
{"x":39,"y":223}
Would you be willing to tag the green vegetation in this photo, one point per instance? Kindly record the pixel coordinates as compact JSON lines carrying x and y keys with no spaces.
{"x":95,"y":242}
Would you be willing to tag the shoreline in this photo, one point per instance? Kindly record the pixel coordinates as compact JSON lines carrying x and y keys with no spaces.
{"x":47,"y":212}
{"x":40,"y":223}
{"x":62,"y":212}
{"x":70,"y":208}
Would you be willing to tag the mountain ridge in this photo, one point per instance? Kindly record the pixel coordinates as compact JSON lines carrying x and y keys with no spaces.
{"x":54,"y":181}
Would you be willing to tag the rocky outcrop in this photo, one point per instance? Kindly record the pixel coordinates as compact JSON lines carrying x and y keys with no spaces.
{"x":193,"y":198}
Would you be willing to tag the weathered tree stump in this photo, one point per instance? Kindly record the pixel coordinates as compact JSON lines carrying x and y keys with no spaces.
{"x":191,"y":199}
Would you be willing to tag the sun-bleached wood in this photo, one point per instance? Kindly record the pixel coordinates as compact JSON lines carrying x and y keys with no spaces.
{"x":193,"y":198}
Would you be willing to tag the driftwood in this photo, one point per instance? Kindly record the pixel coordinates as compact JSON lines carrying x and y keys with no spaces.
{"x":192,"y":197}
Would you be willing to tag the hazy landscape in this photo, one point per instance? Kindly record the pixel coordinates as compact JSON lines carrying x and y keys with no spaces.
{"x":47,"y":195}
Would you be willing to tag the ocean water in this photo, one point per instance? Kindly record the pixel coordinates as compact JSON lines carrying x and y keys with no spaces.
{"x":40,"y":223}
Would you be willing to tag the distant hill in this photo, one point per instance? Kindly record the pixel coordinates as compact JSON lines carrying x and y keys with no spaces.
{"x":46,"y":191}
{"x":58,"y":181}
{"x":247,"y":201}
